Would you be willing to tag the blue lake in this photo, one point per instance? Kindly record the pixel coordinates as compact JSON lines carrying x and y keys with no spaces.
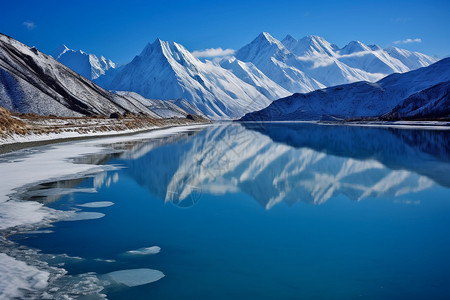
{"x":266,"y":211}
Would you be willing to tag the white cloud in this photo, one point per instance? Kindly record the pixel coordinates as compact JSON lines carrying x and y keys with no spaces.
{"x":29,"y":25}
{"x":213,"y":52}
{"x":408,"y":41}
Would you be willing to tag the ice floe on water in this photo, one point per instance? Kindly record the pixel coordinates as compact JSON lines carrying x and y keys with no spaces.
{"x":84,"y":215}
{"x":145,"y":251}
{"x":39,"y":231}
{"x":97,"y":204}
{"x":135,"y":277}
{"x":105,"y":260}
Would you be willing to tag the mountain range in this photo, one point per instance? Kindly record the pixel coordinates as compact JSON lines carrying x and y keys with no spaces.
{"x":262,"y":71}
{"x":32,"y":82}
{"x":422,"y":93}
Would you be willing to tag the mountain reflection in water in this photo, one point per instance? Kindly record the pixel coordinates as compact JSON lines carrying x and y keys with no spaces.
{"x":290,"y":162}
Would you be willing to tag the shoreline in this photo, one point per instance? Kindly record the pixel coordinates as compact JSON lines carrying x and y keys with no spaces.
{"x":56,"y":138}
{"x":427,"y":125}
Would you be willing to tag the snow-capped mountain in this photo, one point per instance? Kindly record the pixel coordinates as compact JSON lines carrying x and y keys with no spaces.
{"x":166,"y":70}
{"x":359,"y":99}
{"x":311,"y":45}
{"x":32,"y":82}
{"x":273,"y":59}
{"x":324,"y":63}
{"x":412,"y":60}
{"x":249,"y":73}
{"x":262,"y":71}
{"x":173,"y":108}
{"x":85,"y":64}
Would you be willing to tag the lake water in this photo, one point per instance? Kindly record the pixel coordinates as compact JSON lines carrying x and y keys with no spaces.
{"x":260,"y":211}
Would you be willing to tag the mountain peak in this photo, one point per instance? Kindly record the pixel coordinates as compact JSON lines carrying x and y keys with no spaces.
{"x":266,"y":37}
{"x":289,"y":37}
{"x":157,"y":44}
{"x":374,"y":47}
{"x":59,"y":51}
{"x":289,"y":42}
{"x":263,"y":46}
{"x":354,"y":47}
{"x":313,"y":45}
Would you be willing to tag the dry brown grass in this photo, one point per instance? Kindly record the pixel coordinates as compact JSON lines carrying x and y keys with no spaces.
{"x":10,"y":125}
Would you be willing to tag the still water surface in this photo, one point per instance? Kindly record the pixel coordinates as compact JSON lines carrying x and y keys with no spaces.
{"x":266,"y":211}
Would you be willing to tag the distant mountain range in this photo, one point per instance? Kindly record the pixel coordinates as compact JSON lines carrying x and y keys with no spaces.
{"x":262,"y":71}
{"x":422,"y":93}
{"x":32,"y":82}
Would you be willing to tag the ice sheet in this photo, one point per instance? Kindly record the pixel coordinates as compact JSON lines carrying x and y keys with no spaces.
{"x":145,"y":251}
{"x":97,"y":204}
{"x":16,"y":277}
{"x":135,"y":277}
{"x":81,"y":216}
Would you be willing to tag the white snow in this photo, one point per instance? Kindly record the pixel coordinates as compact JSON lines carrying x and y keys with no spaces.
{"x":166,"y":70}
{"x":359,"y":99}
{"x":135,"y":277}
{"x":16,"y":277}
{"x":97,"y":204}
{"x":87,"y":65}
{"x":262,"y":71}
{"x":145,"y":251}
{"x":33,"y":82}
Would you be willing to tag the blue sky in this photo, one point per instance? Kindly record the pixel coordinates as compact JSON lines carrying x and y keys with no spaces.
{"x":120,"y":29}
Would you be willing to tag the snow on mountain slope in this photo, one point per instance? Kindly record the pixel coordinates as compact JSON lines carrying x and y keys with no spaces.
{"x":431,"y":103}
{"x":360,"y":99}
{"x":413,"y":60}
{"x":32,"y":82}
{"x":249,"y":73}
{"x":315,"y":68}
{"x":164,"y":108}
{"x":166,"y":70}
{"x":87,"y":65}
{"x":271,"y":57}
{"x":310,"y":45}
{"x":324,"y":63}
{"x":360,"y":56}
{"x":264,"y":70}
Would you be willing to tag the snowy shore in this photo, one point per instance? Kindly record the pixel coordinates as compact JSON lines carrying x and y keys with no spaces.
{"x":31,"y":130}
